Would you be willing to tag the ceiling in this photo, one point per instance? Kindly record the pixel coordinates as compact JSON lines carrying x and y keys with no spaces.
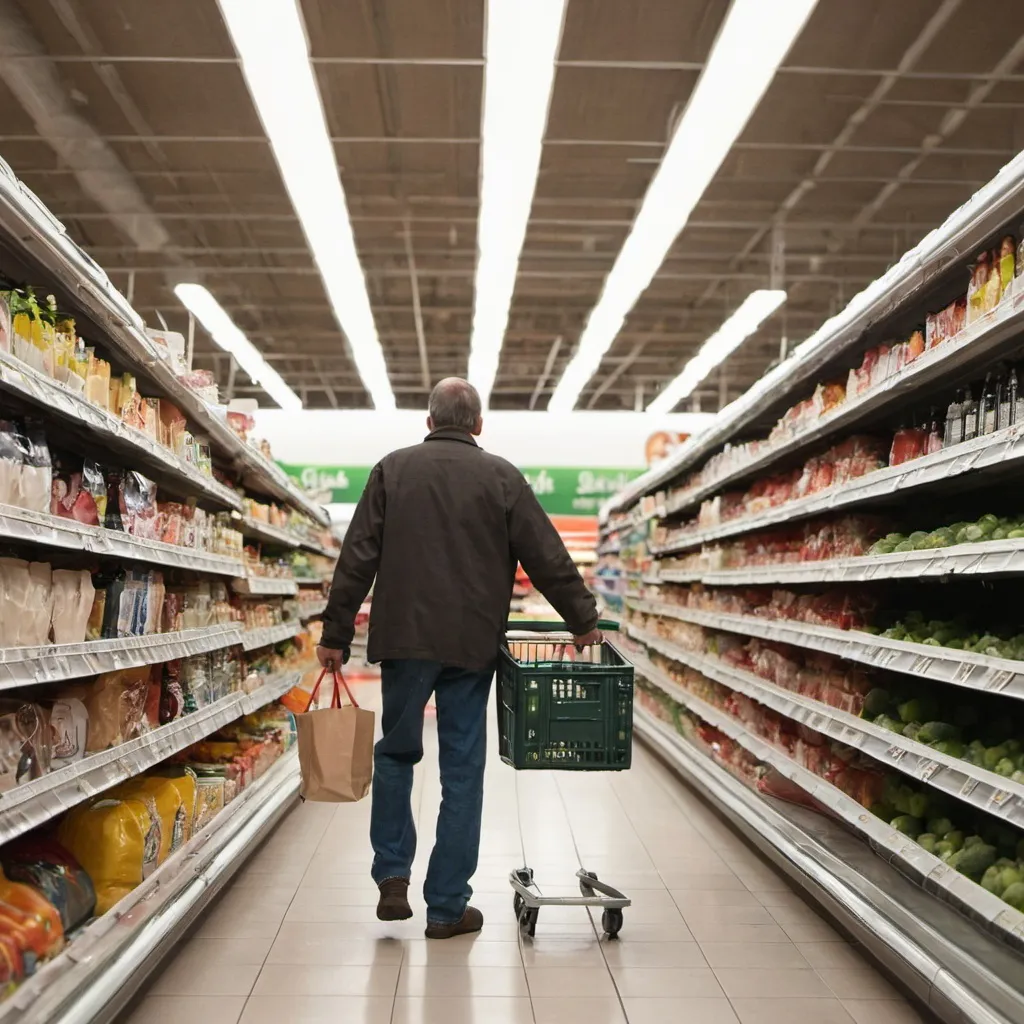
{"x":885,"y":118}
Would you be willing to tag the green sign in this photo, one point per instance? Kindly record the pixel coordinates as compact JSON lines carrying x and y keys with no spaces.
{"x":561,"y":491}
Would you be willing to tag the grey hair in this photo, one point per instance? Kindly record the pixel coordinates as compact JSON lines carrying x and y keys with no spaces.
{"x":454,"y":402}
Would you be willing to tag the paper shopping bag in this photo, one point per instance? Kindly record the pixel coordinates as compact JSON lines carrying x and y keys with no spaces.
{"x":335,"y":748}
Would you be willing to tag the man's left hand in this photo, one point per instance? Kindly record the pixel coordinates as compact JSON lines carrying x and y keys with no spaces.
{"x":332,"y":657}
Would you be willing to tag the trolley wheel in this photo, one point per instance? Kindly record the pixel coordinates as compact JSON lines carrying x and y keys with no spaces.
{"x":528,"y":920}
{"x":525,"y":876}
{"x":517,"y":905}
{"x":585,"y":889}
{"x":611,"y":922}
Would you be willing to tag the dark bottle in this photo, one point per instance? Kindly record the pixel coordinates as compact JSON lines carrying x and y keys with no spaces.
{"x":970,"y":415}
{"x":987,"y":407}
{"x":954,"y":421}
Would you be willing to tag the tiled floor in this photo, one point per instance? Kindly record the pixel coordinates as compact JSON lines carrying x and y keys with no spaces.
{"x":714,"y":935}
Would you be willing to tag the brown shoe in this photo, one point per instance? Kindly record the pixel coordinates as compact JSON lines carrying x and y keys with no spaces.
{"x":393,"y":904}
{"x":471,"y":921}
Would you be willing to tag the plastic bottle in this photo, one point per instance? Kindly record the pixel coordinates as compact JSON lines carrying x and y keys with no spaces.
{"x":954,"y":421}
{"x":970,"y":416}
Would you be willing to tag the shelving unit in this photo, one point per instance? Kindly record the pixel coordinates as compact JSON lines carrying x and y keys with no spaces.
{"x":689,"y":554}
{"x":105,"y":962}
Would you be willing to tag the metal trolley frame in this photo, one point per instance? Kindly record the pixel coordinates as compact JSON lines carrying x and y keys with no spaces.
{"x":561,"y":708}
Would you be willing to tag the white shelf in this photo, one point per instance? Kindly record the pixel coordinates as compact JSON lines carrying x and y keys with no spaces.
{"x":262,"y":531}
{"x":264,"y":586}
{"x":99,"y":972}
{"x":982,"y":789}
{"x":138,"y":448}
{"x":989,"y":558}
{"x":999,"y":917}
{"x":311,"y":581}
{"x":24,"y":666}
{"x":971,"y":344}
{"x":28,"y":806}
{"x":311,"y":609}
{"x":1004,"y":449}
{"x":25,"y":527}
{"x":904,"y":285}
{"x":943,"y":664}
{"x":252,"y":639}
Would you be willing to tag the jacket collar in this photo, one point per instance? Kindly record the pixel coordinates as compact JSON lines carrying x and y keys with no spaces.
{"x":452,"y":434}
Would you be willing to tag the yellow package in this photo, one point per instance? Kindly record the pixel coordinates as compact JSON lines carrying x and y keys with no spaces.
{"x":184,"y":780}
{"x":117,"y":842}
{"x":163,"y":800}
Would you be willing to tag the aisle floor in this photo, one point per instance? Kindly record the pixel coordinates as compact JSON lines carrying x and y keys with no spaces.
{"x":714,"y":936}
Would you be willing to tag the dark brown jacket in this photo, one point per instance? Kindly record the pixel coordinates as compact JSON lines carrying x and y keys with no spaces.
{"x":442,"y":525}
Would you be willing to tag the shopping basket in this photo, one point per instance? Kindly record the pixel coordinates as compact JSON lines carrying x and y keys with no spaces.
{"x":563,"y":708}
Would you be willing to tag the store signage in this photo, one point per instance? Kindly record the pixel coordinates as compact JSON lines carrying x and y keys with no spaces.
{"x":559,"y":490}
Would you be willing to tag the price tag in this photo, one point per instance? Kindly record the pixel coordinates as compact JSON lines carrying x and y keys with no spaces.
{"x":929,"y":771}
{"x":969,"y":786}
{"x":963,"y":672}
{"x":1000,"y":680}
{"x":999,"y":797}
{"x":895,"y":753}
{"x":922,"y":665}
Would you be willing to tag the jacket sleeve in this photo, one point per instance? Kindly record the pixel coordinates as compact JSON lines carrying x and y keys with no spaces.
{"x":357,"y":565}
{"x":537,"y":545}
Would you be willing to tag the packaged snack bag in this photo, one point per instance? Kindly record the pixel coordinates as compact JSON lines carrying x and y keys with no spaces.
{"x":163,"y":800}
{"x":41,"y":862}
{"x":28,"y":917}
{"x":69,"y":729}
{"x":184,"y":780}
{"x":116,"y":841}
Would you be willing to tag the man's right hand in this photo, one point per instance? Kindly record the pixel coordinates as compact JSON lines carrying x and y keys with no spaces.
{"x":591,"y":639}
{"x":332,"y":657}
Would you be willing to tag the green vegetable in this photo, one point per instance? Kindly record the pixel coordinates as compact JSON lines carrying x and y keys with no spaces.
{"x":876,"y":702}
{"x":909,"y":826}
{"x":992,"y":757}
{"x":944,"y":849}
{"x":971,"y":534}
{"x":904,"y":545}
{"x":955,"y":839}
{"x":920,"y":709}
{"x":976,"y":860}
{"x":1006,"y":767}
{"x":928,"y":841}
{"x":940,"y":826}
{"x":993,"y":880}
{"x":999,"y":533}
{"x":935,"y":732}
{"x":1016,"y":534}
{"x":1010,"y":876}
{"x":911,"y":730}
{"x":889,"y":723}
{"x":919,"y":805}
{"x":952,"y":748}
{"x":1014,"y":895}
{"x":918,"y":539}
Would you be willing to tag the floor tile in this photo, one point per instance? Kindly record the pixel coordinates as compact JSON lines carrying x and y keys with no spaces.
{"x":578,"y":1010}
{"x":820,"y":933}
{"x":185,"y":974}
{"x":681,"y":1010}
{"x":687,"y":883}
{"x":460,"y":1010}
{"x":317,"y":980}
{"x":883,"y":1011}
{"x":753,"y":954}
{"x":227,"y":952}
{"x":308,"y":1009}
{"x":654,"y":954}
{"x":463,"y":981}
{"x":788,"y":1011}
{"x":548,"y":952}
{"x":764,"y":933}
{"x":180,"y":1009}
{"x":654,"y":982}
{"x":570,"y":982}
{"x":836,"y":956}
{"x":762,"y":983}
{"x":699,"y":899}
{"x":859,"y":984}
{"x":321,"y":945}
{"x":425,"y":953}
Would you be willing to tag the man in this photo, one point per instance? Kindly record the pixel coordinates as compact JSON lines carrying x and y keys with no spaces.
{"x":441,"y":525}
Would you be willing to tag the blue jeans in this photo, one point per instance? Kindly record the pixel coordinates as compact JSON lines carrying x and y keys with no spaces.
{"x":461,"y":697}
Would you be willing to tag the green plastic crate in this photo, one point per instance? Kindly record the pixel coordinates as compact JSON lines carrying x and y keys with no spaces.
{"x":555,"y":712}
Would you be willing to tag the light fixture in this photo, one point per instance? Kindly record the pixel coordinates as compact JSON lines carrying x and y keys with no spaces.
{"x":226,"y":334}
{"x":270,"y":39}
{"x":752,"y":43}
{"x":754,"y":310}
{"x":520,"y":49}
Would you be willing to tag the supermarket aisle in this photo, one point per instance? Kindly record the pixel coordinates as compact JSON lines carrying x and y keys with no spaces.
{"x":715,"y":936}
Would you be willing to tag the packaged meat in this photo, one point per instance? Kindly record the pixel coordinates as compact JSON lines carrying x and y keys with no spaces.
{"x":116,"y":705}
{"x":69,"y":731}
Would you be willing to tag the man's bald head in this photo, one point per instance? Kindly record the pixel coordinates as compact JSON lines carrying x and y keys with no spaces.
{"x":454,"y":402}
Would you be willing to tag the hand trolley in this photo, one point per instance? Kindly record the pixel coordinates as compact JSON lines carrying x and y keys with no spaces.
{"x":569,"y":710}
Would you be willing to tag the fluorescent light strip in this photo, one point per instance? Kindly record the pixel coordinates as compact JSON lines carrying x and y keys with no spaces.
{"x":521,"y":45}
{"x":752,"y":43}
{"x":209,"y":312}
{"x":755,"y":309}
{"x":270,"y":39}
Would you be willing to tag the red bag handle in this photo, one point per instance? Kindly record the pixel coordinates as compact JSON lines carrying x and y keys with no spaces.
{"x":336,"y":696}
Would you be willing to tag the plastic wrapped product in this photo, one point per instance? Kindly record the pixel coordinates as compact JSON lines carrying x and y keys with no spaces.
{"x":41,"y":862}
{"x":24,"y":743}
{"x":210,"y":794}
{"x":163,"y":800}
{"x":12,"y":455}
{"x":37,"y":614}
{"x":12,"y":966}
{"x":37,"y":471}
{"x":5,"y":333}
{"x":172,"y":695}
{"x":184,"y":780}
{"x":15,"y":588}
{"x":116,"y":841}
{"x":31,"y":920}
{"x":69,"y":731}
{"x":116,"y":703}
